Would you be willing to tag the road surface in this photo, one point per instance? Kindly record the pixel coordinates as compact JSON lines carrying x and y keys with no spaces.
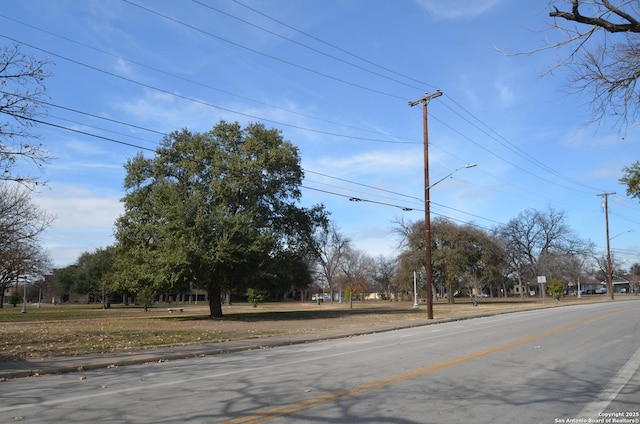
{"x":576,"y":364}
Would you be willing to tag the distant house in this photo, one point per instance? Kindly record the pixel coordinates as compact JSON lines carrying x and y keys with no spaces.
{"x":621,"y":285}
{"x":593,"y":286}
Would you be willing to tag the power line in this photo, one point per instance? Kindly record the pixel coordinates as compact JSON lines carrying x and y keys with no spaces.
{"x":144,"y":148}
{"x":513,"y":148}
{"x":247,"y":115}
{"x":86,"y":133}
{"x":113,"y":140}
{"x":302,"y":128}
{"x":275,"y":34}
{"x":350,"y":197}
{"x":177,"y":21}
{"x":523,"y":154}
{"x":196,"y":83}
{"x":363,"y":185}
{"x":340,"y":49}
{"x":495,"y":135}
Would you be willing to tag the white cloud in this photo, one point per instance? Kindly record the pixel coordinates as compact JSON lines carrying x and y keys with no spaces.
{"x":505,"y":93}
{"x":457,"y":9}
{"x":168,"y":113}
{"x":372,"y":162}
{"x":83,"y":220}
{"x":81,"y":210}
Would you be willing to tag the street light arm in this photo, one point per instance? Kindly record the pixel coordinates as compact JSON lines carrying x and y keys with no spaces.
{"x":471,"y":165}
{"x":622,"y":233}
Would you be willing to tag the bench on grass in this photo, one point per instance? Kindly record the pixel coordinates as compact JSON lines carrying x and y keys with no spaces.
{"x":175,"y":310}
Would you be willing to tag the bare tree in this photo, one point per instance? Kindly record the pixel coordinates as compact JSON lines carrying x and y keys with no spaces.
{"x":22,"y":95}
{"x":357,"y":270}
{"x":332,"y":247}
{"x":604,"y":53}
{"x":412,"y":258}
{"x":21,"y":223}
{"x":536,"y":240}
{"x":634,"y":270}
{"x":384,"y":271}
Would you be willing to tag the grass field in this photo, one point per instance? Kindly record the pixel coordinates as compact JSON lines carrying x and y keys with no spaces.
{"x":67,"y":330}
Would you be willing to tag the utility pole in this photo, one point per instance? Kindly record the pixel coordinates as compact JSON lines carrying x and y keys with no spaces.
{"x":427,"y":213}
{"x":606,"y":220}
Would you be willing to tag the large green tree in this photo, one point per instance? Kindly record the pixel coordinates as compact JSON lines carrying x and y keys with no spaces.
{"x":214,"y":209}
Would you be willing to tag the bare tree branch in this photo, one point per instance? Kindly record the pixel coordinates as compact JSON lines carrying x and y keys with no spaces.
{"x":605,"y":69}
{"x":22,"y":92}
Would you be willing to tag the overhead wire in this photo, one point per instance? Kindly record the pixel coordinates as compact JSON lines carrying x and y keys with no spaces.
{"x":186,"y":98}
{"x":338,"y":48}
{"x":201,"y":102}
{"x":125,"y":78}
{"x":350,"y":197}
{"x":313,"y":49}
{"x":305,"y":68}
{"x":109,"y":139}
{"x":491,"y":133}
{"x":515,"y":149}
{"x":307,"y":129}
{"x":191,"y":81}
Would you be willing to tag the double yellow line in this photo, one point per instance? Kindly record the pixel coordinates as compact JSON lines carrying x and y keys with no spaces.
{"x":292,"y":408}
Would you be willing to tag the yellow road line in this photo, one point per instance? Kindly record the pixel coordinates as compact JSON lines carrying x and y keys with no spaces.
{"x":292,"y":408}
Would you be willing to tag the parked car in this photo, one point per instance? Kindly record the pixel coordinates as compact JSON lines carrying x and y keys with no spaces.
{"x":320,"y":296}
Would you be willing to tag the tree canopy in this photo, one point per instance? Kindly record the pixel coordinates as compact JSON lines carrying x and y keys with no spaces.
{"x":215,"y":210}
{"x":463,"y":257}
{"x":90,"y":275}
{"x":631,"y":179}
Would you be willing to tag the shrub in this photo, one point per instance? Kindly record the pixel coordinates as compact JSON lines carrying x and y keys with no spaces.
{"x":556,"y":288}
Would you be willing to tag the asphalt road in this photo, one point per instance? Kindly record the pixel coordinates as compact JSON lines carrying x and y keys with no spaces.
{"x":573,"y":364}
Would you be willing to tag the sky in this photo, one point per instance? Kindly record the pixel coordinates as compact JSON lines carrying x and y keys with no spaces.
{"x":336,"y":78}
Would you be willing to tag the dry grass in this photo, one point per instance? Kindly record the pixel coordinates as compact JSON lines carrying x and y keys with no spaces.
{"x":67,"y":330}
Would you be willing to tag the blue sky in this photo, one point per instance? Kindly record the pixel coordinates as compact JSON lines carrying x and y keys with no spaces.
{"x":335,"y":77}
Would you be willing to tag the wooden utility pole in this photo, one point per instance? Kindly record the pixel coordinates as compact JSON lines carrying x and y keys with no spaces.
{"x":427,"y":213}
{"x":606,"y":220}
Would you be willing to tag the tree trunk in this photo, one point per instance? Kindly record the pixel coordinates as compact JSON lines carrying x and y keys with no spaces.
{"x":450,"y":293}
{"x":215,"y":303}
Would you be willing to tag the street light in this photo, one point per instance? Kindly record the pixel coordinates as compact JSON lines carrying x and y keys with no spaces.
{"x":415,"y":291}
{"x":470,"y":165}
{"x":609,"y":263}
{"x":622,"y":233}
{"x":24,"y":298}
{"x":427,"y":210}
{"x":427,"y":224}
{"x":605,"y":204}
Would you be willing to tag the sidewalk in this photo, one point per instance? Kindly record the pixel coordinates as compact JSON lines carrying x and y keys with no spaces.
{"x":67,"y":364}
